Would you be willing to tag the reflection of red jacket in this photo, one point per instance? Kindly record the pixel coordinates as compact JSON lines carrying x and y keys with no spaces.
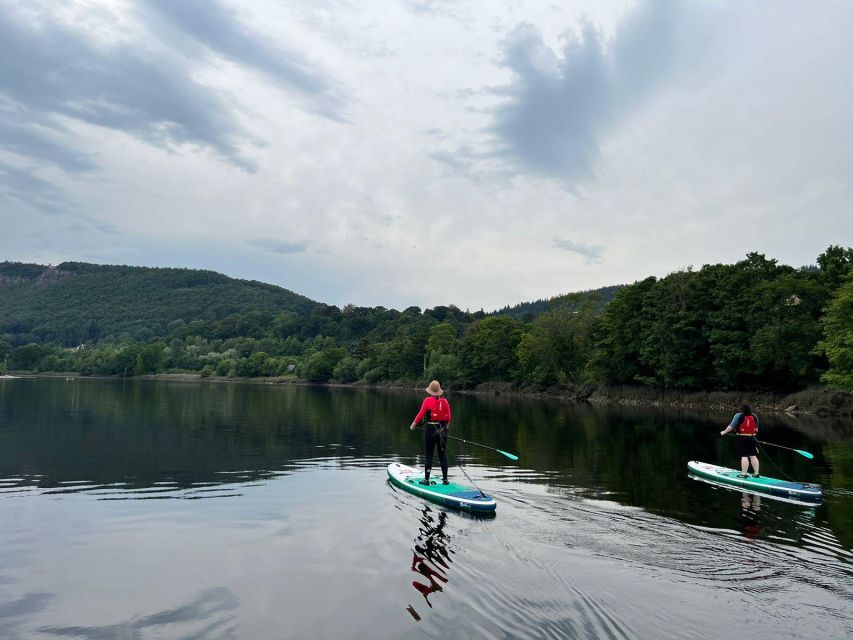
{"x":439,"y":409}
{"x":748,"y":427}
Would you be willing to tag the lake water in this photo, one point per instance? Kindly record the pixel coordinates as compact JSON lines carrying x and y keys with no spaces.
{"x":150,"y":509}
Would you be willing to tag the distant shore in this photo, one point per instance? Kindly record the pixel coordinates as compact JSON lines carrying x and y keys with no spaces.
{"x":822,"y":403}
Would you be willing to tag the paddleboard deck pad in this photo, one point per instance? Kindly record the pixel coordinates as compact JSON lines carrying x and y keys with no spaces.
{"x":798,"y":492}
{"x":456,"y":496}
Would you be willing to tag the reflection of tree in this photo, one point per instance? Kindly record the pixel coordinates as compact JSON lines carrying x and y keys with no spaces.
{"x":430,"y":556}
{"x":839,"y":457}
{"x":143,"y":432}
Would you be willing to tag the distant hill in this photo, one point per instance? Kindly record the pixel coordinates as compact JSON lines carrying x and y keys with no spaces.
{"x":76,"y":301}
{"x":529,"y":310}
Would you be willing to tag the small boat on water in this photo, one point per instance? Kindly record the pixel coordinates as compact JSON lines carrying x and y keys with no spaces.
{"x":803,"y":493}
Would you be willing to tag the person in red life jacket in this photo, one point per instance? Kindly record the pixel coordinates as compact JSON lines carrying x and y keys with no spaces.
{"x":745,"y":425}
{"x":435,"y":413}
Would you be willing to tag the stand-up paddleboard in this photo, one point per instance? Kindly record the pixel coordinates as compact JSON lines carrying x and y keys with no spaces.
{"x":797,"y":492}
{"x":453,"y":495}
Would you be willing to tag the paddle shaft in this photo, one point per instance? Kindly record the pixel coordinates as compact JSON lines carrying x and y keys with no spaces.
{"x":805,"y":454}
{"x":477,"y":444}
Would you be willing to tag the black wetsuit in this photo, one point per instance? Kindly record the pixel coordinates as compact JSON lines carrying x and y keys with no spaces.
{"x":435,"y":436}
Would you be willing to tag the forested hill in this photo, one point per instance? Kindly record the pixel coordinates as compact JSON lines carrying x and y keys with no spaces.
{"x":573,"y":301}
{"x":755,"y":324}
{"x":76,"y":302}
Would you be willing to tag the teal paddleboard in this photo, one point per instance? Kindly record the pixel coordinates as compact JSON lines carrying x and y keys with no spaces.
{"x":457,"y":496}
{"x":799,"y":492}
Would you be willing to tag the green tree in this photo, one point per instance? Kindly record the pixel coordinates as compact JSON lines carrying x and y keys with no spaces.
{"x":442,"y":338}
{"x":225,"y":366}
{"x":26,"y":358}
{"x":674,"y":346}
{"x":346,"y":370}
{"x":784,"y":329}
{"x":255,"y":366}
{"x":5,"y":352}
{"x":619,"y":336}
{"x":445,"y":367}
{"x":838,"y":342}
{"x":490,"y":348}
{"x":834,"y":264}
{"x":557,"y":347}
{"x":320,"y":366}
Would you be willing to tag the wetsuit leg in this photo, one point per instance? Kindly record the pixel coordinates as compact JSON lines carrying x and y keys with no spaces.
{"x":429,"y":444}
{"x":441,"y":442}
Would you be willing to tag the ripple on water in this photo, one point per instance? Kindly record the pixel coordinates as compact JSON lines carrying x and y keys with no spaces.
{"x":712,"y":558}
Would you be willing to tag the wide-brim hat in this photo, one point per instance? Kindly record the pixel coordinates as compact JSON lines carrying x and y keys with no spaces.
{"x":434,"y":389}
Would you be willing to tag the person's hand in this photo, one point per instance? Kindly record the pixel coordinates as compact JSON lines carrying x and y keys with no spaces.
{"x":412,"y":427}
{"x":723,"y":432}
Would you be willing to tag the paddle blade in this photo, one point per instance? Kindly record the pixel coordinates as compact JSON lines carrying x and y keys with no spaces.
{"x":508,"y":455}
{"x":805,"y":454}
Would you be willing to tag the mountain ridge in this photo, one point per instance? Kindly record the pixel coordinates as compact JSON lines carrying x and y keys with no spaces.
{"x":74,"y":302}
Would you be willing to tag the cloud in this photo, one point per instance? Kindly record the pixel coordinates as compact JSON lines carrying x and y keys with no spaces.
{"x":220,"y":30}
{"x":50,"y":74}
{"x":23,"y":186}
{"x":458,"y":162}
{"x":280,"y":246}
{"x":54,"y":77}
{"x":590,"y":253}
{"x":560,"y":104}
{"x":431,"y":7}
{"x":20,"y":136}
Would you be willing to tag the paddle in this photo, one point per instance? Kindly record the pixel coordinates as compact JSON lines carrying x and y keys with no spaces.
{"x":477,"y":444}
{"x":805,"y":454}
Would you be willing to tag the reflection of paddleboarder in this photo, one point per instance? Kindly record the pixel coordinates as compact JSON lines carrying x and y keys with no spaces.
{"x":750,"y":514}
{"x":430,"y":557}
{"x":435,"y":410}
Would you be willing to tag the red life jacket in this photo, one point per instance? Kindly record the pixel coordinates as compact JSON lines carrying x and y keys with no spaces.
{"x":439,"y":411}
{"x":748,"y":427}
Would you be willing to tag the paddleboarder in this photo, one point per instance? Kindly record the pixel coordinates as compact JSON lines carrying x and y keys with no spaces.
{"x":745,"y":425}
{"x":435,"y":413}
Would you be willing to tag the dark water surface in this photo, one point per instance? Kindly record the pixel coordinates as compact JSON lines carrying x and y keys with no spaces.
{"x":160,"y":510}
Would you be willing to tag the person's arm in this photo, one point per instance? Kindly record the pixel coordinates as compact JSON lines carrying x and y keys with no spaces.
{"x":420,"y":415}
{"x":738,"y":417}
{"x":449,"y":415}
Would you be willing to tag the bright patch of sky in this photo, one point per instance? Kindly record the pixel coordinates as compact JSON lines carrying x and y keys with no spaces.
{"x":425,"y":153}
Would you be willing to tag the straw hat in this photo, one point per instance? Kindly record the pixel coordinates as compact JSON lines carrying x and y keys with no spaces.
{"x":434,"y":389}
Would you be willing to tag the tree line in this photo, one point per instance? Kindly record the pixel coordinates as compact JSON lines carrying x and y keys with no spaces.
{"x":755,"y":324}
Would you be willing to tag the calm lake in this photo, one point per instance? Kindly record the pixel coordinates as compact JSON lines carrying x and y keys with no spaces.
{"x":153,"y":509}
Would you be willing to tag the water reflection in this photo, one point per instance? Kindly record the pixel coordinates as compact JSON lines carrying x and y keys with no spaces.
{"x":750,"y":515}
{"x":15,"y":613}
{"x":99,"y":486}
{"x":430,"y":556}
{"x":155,"y":440}
{"x":211,"y":614}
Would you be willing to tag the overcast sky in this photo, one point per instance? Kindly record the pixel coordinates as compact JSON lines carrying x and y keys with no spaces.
{"x":476,"y":153}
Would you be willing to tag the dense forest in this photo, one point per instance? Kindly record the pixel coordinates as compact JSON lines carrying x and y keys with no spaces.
{"x":755,"y":324}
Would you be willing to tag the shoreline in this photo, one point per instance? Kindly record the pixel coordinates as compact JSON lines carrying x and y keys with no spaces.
{"x":818,"y":402}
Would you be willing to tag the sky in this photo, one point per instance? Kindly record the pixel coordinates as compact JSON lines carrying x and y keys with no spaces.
{"x":418,"y":152}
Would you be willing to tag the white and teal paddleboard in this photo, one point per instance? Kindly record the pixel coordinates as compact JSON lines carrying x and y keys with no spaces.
{"x":457,"y":496}
{"x":797,"y":492}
